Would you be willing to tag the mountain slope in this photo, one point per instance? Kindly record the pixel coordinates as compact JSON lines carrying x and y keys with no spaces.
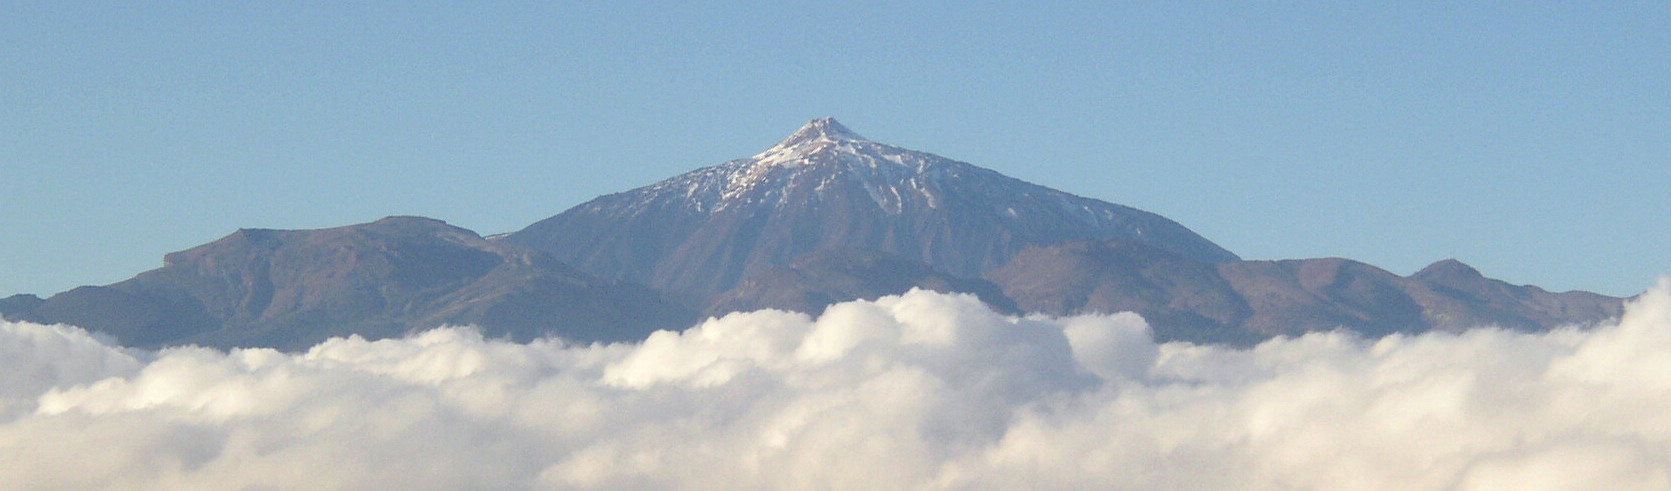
{"x":816,"y":280}
{"x":1246,"y":301}
{"x":825,"y":187}
{"x":293,"y":288}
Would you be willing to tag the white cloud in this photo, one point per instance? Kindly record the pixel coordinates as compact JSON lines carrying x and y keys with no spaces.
{"x":920,"y":391}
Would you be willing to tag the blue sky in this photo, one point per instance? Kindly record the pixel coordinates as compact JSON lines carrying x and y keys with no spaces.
{"x":1527,"y":139}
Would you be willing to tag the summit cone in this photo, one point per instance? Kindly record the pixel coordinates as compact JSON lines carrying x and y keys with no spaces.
{"x":825,"y":187}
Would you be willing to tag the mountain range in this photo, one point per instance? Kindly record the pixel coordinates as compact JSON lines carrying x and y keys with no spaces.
{"x":821,"y":217}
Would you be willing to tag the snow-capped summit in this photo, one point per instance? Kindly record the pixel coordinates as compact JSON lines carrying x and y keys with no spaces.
{"x":824,"y":139}
{"x":821,"y":129}
{"x":825,"y":187}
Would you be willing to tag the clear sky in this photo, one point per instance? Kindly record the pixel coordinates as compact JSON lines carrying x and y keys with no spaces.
{"x":1531,"y":140}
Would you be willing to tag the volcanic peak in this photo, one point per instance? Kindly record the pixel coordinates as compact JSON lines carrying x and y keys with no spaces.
{"x":819,"y":138}
{"x":825,"y":129}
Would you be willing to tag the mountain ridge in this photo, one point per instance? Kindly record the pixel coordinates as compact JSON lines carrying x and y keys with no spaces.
{"x":1247,"y":301}
{"x":293,"y":288}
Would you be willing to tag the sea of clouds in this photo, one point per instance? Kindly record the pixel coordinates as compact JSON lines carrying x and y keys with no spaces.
{"x":920,"y":391}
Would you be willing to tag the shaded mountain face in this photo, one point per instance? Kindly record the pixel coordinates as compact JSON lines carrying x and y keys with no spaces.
{"x":291,"y":289}
{"x":825,"y":187}
{"x":17,"y":305}
{"x":1242,"y":302}
{"x":817,"y":280}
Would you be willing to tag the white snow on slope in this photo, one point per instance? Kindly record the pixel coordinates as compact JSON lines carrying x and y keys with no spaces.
{"x":821,"y":150}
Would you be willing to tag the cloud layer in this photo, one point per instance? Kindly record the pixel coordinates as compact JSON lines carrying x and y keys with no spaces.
{"x":920,"y":391}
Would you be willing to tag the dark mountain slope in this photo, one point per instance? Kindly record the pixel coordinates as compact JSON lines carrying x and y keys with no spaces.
{"x":1182,"y":299}
{"x":20,"y":304}
{"x":815,"y":281}
{"x":1245,"y":301}
{"x":293,"y":288}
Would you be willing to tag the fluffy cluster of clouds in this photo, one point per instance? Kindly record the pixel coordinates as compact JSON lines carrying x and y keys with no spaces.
{"x":920,"y":391}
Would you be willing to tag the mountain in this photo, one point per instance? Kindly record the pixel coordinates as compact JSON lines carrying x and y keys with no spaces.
{"x":824,"y":187}
{"x":821,"y":217}
{"x":291,"y":289}
{"x":1242,"y":302}
{"x":819,"y":279}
